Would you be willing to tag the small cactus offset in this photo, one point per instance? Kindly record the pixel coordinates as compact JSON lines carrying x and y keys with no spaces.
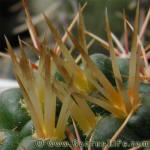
{"x":91,"y":102}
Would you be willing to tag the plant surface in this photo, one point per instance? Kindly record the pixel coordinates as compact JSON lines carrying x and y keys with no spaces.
{"x":91,"y":102}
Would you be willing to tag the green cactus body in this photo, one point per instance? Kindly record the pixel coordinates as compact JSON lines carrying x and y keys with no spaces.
{"x":104,"y":64}
{"x":138,"y":126}
{"x":9,"y":140}
{"x":27,"y":129}
{"x":140,"y":122}
{"x":23,"y":137}
{"x":106,"y":128}
{"x":31,"y":143}
{"x":12,"y":113}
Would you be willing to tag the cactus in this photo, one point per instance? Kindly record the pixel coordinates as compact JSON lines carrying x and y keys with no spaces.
{"x":56,"y":105}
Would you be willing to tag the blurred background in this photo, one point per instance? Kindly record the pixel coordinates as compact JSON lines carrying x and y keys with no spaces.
{"x":61,"y":12}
